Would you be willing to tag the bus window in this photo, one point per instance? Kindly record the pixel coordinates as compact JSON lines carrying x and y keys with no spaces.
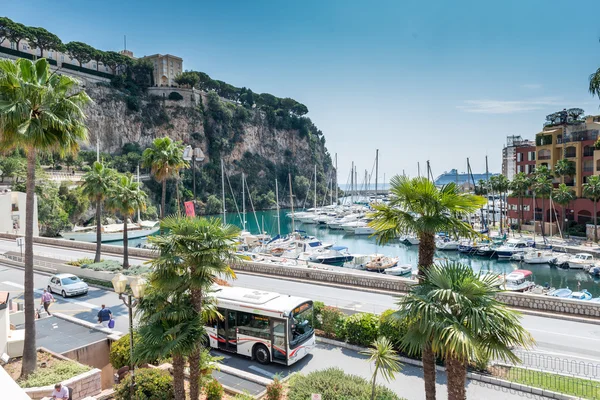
{"x":279,"y":342}
{"x":301,"y":324}
{"x":253,"y":325}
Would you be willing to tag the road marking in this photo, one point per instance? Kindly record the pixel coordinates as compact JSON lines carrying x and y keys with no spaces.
{"x":564,"y":334}
{"x":261,"y":371}
{"x":573,"y":356}
{"x":77,"y":302}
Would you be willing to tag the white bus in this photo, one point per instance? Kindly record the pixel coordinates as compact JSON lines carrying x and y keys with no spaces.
{"x":266,"y":326}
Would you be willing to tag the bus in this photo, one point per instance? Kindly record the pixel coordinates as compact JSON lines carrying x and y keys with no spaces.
{"x":265,"y":326}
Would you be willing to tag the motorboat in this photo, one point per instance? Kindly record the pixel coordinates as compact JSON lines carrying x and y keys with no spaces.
{"x":563,"y":293}
{"x":469,"y":246}
{"x":364,"y":230}
{"x":360,"y":261}
{"x":381,"y":263}
{"x":594,"y":270}
{"x":336,"y":223}
{"x":446,"y":244}
{"x":581,"y":295}
{"x":519,"y":280}
{"x":561,"y":261}
{"x":410,"y":240}
{"x":486,"y":251}
{"x":538,"y":257}
{"x":581,"y":261}
{"x":351,"y":226}
{"x":304,"y":247}
{"x":399,"y":270}
{"x":331,"y":255}
{"x":513,"y":246}
{"x":113,"y":232}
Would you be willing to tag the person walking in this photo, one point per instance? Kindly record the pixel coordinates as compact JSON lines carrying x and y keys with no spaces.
{"x":104,"y":316}
{"x":46,"y":299}
{"x":61,"y":392}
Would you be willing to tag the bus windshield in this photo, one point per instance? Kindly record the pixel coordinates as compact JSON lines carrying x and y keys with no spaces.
{"x":301,"y":324}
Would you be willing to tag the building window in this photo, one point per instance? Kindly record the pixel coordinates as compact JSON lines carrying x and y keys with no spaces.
{"x":588,"y":151}
{"x":13,"y":46}
{"x":94,"y":65}
{"x":544,"y":154}
{"x":531,"y":156}
{"x":25,"y":48}
{"x":570,"y":152}
{"x":49,"y":55}
{"x":519,"y":157}
{"x":171,"y":63}
{"x":62,"y":58}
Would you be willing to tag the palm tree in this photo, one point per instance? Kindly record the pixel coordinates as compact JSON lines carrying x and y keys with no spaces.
{"x":591,"y":190}
{"x":562,"y":196}
{"x":456,"y":309}
{"x":205,"y":250}
{"x":502,"y":185}
{"x":126,"y":198}
{"x":542,"y":187}
{"x":564,"y":168}
{"x":493,"y":186}
{"x":418,"y":206}
{"x":385,"y":358}
{"x":519,"y":186}
{"x":40,"y":112}
{"x":169,"y":326}
{"x":97,"y":184}
{"x":165,"y":159}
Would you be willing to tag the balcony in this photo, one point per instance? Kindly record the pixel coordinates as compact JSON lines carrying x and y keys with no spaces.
{"x":541,"y":158}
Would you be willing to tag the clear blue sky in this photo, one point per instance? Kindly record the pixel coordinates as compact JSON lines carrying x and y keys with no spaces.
{"x":438,"y":80}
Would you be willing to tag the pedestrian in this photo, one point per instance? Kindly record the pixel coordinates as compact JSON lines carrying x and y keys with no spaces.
{"x":104,"y":316}
{"x":61,"y":392}
{"x":46,"y":299}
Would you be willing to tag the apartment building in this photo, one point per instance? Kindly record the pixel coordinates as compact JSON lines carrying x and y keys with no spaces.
{"x":166,"y":68}
{"x":518,"y":156}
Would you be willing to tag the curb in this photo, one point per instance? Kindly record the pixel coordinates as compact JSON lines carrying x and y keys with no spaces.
{"x":87,"y":324}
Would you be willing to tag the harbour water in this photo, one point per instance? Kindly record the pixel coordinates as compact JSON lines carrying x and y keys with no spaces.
{"x":543,"y":273}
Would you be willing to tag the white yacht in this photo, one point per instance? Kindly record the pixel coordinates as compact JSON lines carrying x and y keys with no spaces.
{"x":538,"y":256}
{"x":410,"y":240}
{"x":513,"y":246}
{"x":519,"y":280}
{"x":581,"y":261}
{"x":447,"y":244}
{"x":351,"y":226}
{"x":364,"y":230}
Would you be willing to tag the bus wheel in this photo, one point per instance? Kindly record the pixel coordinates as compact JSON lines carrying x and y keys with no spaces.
{"x":261,"y":354}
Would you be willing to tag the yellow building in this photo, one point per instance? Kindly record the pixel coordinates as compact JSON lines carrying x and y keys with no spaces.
{"x":573,"y":141}
{"x":166,"y":68}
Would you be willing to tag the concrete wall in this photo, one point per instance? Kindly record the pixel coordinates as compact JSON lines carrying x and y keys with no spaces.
{"x":191,"y":97}
{"x":4,"y":328}
{"x":95,"y":355}
{"x":83,"y":385}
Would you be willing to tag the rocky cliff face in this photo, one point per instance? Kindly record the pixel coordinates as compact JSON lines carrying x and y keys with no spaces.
{"x":265,"y":144}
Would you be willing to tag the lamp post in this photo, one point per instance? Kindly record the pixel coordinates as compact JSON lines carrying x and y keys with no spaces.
{"x":130,"y":299}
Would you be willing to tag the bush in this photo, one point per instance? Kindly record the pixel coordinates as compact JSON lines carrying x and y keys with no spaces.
{"x":243,"y":396}
{"x":317,"y":314}
{"x":108,"y":265}
{"x":392,"y":328}
{"x":334,"y":384}
{"x":361,"y":329}
{"x":332,"y":321}
{"x":133,"y":103}
{"x":214,"y":390}
{"x":120,"y":352}
{"x":60,"y":371}
{"x":150,"y":384}
{"x":81,"y":261}
{"x":175,"y":96}
{"x":86,"y":168}
{"x":275,"y":390}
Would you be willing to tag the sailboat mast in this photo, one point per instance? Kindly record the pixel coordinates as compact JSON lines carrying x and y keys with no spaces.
{"x":277,"y":201}
{"x":376,"y":171}
{"x":223,"y":192}
{"x":291,"y":201}
{"x":352,"y":184}
{"x":336,"y":180}
{"x":243,"y":204}
{"x":315,"y":194}
{"x":138,"y":182}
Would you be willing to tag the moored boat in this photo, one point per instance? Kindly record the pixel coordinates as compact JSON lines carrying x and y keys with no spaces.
{"x":381,"y":263}
{"x":113,"y":232}
{"x":519,"y":280}
{"x":581,"y":261}
{"x":399,"y":270}
{"x":561,"y":292}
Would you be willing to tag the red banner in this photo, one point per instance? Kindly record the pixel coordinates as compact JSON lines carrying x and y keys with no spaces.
{"x":190,"y":211}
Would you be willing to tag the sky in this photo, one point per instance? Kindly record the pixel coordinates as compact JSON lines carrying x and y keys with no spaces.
{"x":419,"y":80}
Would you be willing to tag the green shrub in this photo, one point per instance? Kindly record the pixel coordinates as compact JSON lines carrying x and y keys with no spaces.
{"x":107,"y":265}
{"x":86,"y":168}
{"x":275,"y":390}
{"x":243,"y":396}
{"x":361,"y":329}
{"x":214,"y":390}
{"x":392,"y":328}
{"x":133,"y":103}
{"x":334,"y":384}
{"x":317,"y":314}
{"x":81,"y":261}
{"x":150,"y":384}
{"x":175,"y":96}
{"x":136,"y":270}
{"x":120,"y":351}
{"x":58,"y":372}
{"x":332,"y":322}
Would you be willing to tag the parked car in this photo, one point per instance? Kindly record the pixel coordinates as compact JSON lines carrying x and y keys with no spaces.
{"x":67,"y":285}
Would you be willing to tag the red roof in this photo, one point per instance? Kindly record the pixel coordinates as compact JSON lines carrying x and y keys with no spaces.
{"x":525,"y":272}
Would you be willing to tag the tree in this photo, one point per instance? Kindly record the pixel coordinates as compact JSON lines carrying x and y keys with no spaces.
{"x":564,"y":168}
{"x":187,"y":78}
{"x":520,"y":185}
{"x":13,"y":167}
{"x":97,"y":185}
{"x":40,"y":38}
{"x":456,"y":309}
{"x":40,"y":112}
{"x":502,"y":185}
{"x":492,"y":184}
{"x":542,"y":188}
{"x":419,"y":207}
{"x":385,"y":358}
{"x":80,"y":51}
{"x":563,"y":195}
{"x":115,"y":61}
{"x":165,"y":159}
{"x":5,"y":25}
{"x":204,"y":249}
{"x":591,"y":190}
{"x":17,"y":32}
{"x":125,"y":197}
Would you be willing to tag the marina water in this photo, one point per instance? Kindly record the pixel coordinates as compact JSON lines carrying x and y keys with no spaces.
{"x":543,"y":273}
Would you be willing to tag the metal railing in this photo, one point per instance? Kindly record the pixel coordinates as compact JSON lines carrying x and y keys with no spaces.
{"x":52,"y":267}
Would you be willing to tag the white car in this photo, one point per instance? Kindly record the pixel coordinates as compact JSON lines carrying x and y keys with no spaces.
{"x":67,"y":285}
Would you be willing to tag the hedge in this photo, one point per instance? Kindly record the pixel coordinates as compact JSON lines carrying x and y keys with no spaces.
{"x":361,"y":329}
{"x":150,"y":384}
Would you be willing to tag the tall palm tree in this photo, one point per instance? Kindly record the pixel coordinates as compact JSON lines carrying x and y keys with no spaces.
{"x":165,"y":159}
{"x":385,"y":358}
{"x":125,"y":197}
{"x":542,"y":187}
{"x":564,"y":168}
{"x":492,"y":184}
{"x":97,"y":184}
{"x":591,"y":190}
{"x":418,"y":206}
{"x":502,"y":185}
{"x":562,"y":196}
{"x":40,"y":112}
{"x":456,"y":307}
{"x":519,"y":186}
{"x":205,"y":250}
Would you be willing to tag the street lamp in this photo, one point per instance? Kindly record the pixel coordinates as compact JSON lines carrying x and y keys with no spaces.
{"x":138,"y":287}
